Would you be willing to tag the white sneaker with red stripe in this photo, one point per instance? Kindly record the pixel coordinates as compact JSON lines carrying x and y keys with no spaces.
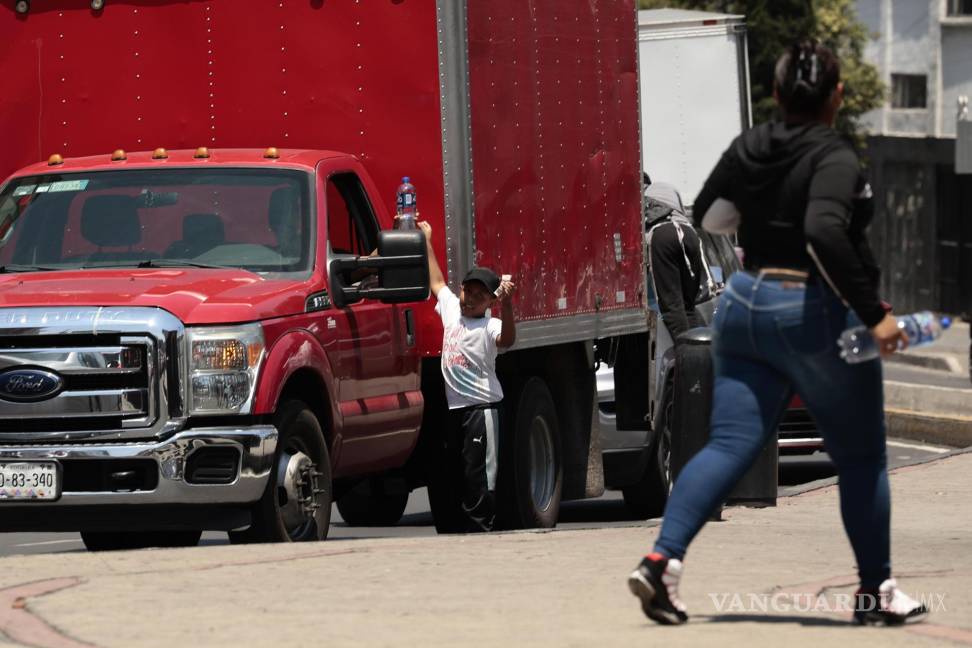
{"x":887,"y":606}
{"x":655,"y":582}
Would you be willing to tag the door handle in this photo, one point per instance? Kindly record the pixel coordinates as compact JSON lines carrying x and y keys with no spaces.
{"x":409,"y":327}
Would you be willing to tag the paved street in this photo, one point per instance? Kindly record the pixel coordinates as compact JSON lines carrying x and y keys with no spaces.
{"x":562,"y":588}
{"x":607,"y":511}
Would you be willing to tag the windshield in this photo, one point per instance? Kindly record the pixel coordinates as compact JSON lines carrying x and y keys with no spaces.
{"x":255,"y":219}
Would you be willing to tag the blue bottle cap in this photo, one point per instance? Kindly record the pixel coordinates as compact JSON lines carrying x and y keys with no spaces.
{"x":405,"y":179}
{"x":946,"y":321}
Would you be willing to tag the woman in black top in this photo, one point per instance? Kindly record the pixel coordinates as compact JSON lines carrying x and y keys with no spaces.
{"x":795,"y":192}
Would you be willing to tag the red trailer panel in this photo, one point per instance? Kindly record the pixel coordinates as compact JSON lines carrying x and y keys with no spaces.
{"x":519,"y":118}
{"x":347,"y":76}
{"x":554,"y":103}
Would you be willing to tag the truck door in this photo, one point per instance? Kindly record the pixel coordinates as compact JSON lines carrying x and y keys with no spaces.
{"x":371,"y":345}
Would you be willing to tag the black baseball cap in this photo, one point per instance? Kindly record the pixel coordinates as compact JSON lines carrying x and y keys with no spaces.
{"x":484,"y":276}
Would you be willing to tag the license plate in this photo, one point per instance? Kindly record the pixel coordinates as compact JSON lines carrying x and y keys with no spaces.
{"x":30,"y":480}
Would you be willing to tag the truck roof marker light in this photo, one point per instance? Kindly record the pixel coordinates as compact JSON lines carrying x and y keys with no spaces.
{"x":201,"y":153}
{"x":271,"y":153}
{"x":55,"y":160}
{"x":160,"y":154}
{"x":710,"y":22}
{"x":118,"y":156}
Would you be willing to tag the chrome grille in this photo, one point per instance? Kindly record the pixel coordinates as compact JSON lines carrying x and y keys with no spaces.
{"x":111,"y":367}
{"x":798,"y":423}
{"x":102,"y":384}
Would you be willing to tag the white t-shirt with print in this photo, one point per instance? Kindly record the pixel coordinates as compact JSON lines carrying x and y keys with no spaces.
{"x":468,"y":354}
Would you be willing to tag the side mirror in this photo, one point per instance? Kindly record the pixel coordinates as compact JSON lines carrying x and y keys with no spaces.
{"x":401,"y":264}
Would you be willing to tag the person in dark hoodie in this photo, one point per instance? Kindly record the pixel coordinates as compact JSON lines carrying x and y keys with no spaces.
{"x":795,"y":192}
{"x":676,"y":268}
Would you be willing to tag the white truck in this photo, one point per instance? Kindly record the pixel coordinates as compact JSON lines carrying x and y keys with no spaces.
{"x":694,"y":79}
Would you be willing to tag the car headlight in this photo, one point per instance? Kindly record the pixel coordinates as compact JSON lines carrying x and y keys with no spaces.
{"x":223,"y":365}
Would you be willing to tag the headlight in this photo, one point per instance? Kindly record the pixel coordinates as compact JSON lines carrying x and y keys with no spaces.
{"x":223,"y":366}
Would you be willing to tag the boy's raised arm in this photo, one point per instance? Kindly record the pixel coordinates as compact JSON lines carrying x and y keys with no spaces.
{"x":436,"y":279}
{"x":507,"y":336}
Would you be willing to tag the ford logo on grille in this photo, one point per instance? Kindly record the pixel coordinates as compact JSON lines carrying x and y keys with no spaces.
{"x":24,"y":385}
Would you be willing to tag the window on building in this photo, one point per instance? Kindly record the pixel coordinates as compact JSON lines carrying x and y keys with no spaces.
{"x":909,"y":90}
{"x":960,"y":7}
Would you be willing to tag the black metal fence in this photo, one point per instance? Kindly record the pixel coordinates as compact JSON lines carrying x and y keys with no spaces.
{"x":922,"y":231}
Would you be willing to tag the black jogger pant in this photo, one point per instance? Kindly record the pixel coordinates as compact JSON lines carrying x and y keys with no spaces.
{"x":473,"y":435}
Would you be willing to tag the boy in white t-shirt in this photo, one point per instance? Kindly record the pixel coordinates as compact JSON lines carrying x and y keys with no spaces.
{"x":470,"y":342}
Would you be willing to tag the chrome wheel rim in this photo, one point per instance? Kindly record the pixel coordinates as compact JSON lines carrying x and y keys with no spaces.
{"x":298,"y":491}
{"x":542,"y":468}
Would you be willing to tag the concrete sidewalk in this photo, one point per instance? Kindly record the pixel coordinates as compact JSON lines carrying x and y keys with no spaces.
{"x":562,"y":588}
{"x":928,"y":412}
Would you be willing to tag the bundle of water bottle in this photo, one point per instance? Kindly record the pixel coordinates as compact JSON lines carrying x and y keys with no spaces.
{"x":924,"y":327}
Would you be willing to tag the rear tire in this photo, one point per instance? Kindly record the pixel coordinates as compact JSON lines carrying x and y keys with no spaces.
{"x":369,"y":505}
{"x":118,"y":540}
{"x":296,"y":505}
{"x":534,"y":468}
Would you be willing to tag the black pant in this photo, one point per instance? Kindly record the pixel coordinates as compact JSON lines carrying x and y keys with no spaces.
{"x":471,"y":440}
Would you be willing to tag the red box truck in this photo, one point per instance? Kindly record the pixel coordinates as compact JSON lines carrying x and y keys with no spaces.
{"x":207,"y":320}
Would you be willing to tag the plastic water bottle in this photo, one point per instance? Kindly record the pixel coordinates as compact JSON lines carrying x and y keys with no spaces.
{"x":858,"y":345}
{"x":406,"y":205}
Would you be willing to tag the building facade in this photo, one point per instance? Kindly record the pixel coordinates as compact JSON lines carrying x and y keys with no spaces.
{"x":923,"y":227}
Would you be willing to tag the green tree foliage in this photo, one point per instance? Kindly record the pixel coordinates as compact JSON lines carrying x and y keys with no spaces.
{"x":774,"y":25}
{"x":837,"y":27}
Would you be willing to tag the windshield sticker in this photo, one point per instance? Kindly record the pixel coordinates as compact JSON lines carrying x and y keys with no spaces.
{"x":24,"y":190}
{"x":69,"y":185}
{"x":42,"y":188}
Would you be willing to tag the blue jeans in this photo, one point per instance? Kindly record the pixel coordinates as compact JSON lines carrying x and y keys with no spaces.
{"x":770,"y":341}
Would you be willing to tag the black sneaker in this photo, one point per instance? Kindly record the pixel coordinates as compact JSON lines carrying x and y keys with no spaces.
{"x":655,"y":582}
{"x":888,"y":606}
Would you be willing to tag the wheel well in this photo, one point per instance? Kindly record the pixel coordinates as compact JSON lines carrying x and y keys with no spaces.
{"x":307,"y":386}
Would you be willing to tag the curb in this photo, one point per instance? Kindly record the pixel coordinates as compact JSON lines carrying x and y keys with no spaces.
{"x":938,"y":363}
{"x":954,"y":431}
{"x":945,"y":402}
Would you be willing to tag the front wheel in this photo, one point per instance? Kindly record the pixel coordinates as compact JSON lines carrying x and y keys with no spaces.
{"x":296,"y":506}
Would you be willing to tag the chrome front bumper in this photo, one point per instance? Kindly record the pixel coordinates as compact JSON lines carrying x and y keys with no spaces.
{"x":256,"y":445}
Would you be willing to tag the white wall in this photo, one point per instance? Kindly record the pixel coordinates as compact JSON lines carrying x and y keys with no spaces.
{"x":917,"y":36}
{"x":869,"y":13}
{"x":910,"y":49}
{"x":956,"y":72}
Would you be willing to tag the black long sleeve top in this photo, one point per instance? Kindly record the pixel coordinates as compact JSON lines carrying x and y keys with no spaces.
{"x":804,"y":203}
{"x":677,"y":273}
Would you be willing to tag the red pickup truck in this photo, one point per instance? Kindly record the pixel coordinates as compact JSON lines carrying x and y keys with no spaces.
{"x":228,"y":335}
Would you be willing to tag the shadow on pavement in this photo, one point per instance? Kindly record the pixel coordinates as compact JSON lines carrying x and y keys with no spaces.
{"x":773,"y":618}
{"x":595,"y":511}
{"x":802,"y":469}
